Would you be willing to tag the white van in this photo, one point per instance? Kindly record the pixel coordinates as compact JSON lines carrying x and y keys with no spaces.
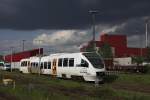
{"x":5,"y":66}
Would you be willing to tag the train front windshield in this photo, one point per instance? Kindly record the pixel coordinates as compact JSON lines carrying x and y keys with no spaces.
{"x":95,"y":59}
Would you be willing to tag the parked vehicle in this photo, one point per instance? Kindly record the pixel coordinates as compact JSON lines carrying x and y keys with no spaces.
{"x":5,"y":66}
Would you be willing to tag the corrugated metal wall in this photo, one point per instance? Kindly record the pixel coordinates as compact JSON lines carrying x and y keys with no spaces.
{"x":21,"y":55}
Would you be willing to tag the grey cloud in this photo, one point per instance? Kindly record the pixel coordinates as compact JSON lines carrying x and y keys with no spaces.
{"x":67,"y":14}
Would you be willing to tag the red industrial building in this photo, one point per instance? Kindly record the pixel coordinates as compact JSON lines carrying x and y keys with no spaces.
{"x":119,"y":46}
{"x":16,"y":57}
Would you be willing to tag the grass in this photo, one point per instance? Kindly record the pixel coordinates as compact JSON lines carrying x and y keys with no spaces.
{"x":35,"y":87}
{"x":143,"y":79}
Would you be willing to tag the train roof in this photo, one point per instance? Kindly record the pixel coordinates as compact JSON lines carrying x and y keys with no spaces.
{"x":25,"y":59}
{"x":45,"y":58}
{"x":57,"y":54}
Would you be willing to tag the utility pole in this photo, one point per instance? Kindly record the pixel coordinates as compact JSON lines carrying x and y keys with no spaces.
{"x":23,"y":44}
{"x":146,"y":35}
{"x":39,"y":41}
{"x":141,"y":47}
{"x":11,"y":60}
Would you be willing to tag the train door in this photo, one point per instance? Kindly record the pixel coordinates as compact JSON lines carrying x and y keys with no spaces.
{"x":54,"y":67}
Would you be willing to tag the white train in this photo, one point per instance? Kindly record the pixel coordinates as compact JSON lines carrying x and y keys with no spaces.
{"x":89,"y":66}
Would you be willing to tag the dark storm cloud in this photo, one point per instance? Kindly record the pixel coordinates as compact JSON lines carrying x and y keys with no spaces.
{"x":130,"y":27}
{"x":67,"y":14}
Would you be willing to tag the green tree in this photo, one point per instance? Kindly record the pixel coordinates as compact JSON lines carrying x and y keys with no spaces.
{"x":91,"y":47}
{"x":148,"y":55}
{"x":138,"y":60}
{"x":106,"y":51}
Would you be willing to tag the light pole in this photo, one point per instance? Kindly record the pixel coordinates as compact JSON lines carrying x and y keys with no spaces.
{"x":23,"y":44}
{"x":93,"y":13}
{"x":146,"y":32}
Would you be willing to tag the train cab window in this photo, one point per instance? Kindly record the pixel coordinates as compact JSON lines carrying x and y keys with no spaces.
{"x":41,"y":65}
{"x":71,"y":62}
{"x":65,"y":62}
{"x":84,"y":63}
{"x":60,"y":62}
{"x":45,"y":65}
{"x":49,"y":65}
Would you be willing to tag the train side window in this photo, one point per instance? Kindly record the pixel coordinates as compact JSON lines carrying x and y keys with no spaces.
{"x":36,"y":64}
{"x":49,"y":65}
{"x":65,"y":62}
{"x":45,"y":65}
{"x":71,"y":62}
{"x":41,"y":65}
{"x":33,"y":64}
{"x":25,"y":63}
{"x":21,"y":64}
{"x":84,"y":63}
{"x":60,"y":62}
{"x":28,"y":63}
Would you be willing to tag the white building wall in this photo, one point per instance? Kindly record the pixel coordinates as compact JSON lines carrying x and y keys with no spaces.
{"x":15,"y":65}
{"x":123,"y":61}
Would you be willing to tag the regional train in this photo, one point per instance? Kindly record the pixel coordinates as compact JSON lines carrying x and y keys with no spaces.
{"x":90,"y":66}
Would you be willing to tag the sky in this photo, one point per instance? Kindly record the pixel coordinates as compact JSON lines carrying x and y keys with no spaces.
{"x":64,"y":25}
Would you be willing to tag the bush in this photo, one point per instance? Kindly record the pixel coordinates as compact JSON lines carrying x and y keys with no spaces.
{"x":146,"y":69}
{"x":110,"y":78}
